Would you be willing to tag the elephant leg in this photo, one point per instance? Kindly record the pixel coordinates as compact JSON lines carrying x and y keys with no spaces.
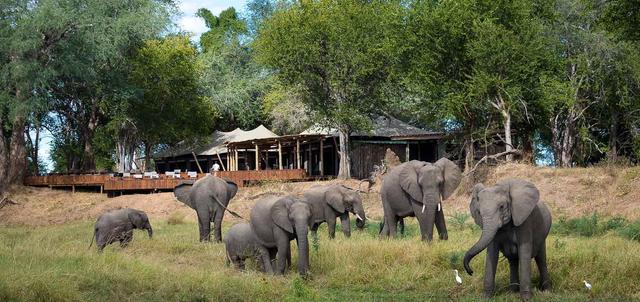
{"x":284,"y":246}
{"x":264,"y":260}
{"x":391,"y":222}
{"x":272,"y":254}
{"x":491,"y":264}
{"x":331,"y":226}
{"x":346,"y":226}
{"x":314,"y":230}
{"x":441,"y":225}
{"x":426,"y":219}
{"x":217,"y":225}
{"x":101,"y":242}
{"x":514,"y":279}
{"x":401,"y":224}
{"x":541,"y":262}
{"x":126,"y":238}
{"x":524,"y":257}
{"x":239,"y":263}
{"x":204,"y":222}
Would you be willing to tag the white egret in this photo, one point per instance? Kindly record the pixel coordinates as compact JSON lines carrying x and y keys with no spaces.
{"x":587,"y":284}
{"x":458,"y":279}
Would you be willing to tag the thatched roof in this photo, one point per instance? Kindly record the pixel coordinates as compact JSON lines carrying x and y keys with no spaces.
{"x":382,"y":126}
{"x":217,"y":142}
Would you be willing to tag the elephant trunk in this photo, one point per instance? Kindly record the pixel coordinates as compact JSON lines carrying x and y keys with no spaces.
{"x":361,"y":218}
{"x":488,"y":233}
{"x":303,"y":248}
{"x":150,"y":231}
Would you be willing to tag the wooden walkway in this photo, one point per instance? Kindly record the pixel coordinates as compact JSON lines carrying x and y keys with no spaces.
{"x":122,"y":184}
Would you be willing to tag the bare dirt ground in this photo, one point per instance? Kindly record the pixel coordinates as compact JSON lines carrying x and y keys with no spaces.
{"x":608,"y":191}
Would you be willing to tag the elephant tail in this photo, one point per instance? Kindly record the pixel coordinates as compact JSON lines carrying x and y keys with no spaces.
{"x":95,"y":231}
{"x":224,"y":208}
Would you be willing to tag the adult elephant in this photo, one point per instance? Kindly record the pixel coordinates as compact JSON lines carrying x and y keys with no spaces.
{"x":417,"y":188}
{"x":515,"y":222}
{"x":276,"y":220}
{"x":333,"y":201}
{"x":209,"y":196}
{"x":118,"y":225}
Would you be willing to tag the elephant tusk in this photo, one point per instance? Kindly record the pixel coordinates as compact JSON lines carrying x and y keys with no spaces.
{"x":423,"y":206}
{"x":439,"y":207}
{"x":359,"y":217}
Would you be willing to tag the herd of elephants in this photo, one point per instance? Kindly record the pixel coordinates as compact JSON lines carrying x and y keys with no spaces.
{"x":513,"y":219}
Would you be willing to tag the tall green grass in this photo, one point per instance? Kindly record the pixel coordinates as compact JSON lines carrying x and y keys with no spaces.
{"x":54,"y":264}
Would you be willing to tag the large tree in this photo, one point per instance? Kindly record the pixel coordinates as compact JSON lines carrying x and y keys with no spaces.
{"x":54,"y":49}
{"x":342,"y":54}
{"x":168,"y":105}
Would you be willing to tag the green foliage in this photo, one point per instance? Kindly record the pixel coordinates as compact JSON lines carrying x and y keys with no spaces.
{"x":168,"y":105}
{"x":225,"y":29}
{"x":631,"y":231}
{"x":339,"y":52}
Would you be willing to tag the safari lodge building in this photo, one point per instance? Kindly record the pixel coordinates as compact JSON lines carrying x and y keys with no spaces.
{"x":314,"y":151}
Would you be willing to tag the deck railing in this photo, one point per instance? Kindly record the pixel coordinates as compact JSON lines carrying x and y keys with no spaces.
{"x":164,"y":182}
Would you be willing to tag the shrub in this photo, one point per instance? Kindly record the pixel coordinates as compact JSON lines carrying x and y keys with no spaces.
{"x":631,"y":231}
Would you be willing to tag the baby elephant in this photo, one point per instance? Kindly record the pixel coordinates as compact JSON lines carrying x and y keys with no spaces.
{"x":118,"y":225}
{"x":241,"y":243}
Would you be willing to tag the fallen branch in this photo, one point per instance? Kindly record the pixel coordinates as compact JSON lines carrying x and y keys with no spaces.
{"x":5,"y":201}
{"x":494,"y":156}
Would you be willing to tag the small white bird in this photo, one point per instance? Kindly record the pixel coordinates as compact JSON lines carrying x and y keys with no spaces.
{"x":587,"y":284}
{"x":458,"y":279}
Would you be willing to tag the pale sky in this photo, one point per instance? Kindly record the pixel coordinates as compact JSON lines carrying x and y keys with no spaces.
{"x":190,"y":23}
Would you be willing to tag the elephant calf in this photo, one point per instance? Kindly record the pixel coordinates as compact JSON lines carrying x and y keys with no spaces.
{"x":118,"y":225}
{"x":241,"y":243}
{"x":515,"y":222}
{"x":329,"y":202}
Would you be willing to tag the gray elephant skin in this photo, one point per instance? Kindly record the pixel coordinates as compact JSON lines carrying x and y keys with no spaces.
{"x":118,"y":225}
{"x":515,"y":222}
{"x":333,"y":201}
{"x":241,"y":243}
{"x":276,"y":220}
{"x":417,"y":189}
{"x":208,"y":196}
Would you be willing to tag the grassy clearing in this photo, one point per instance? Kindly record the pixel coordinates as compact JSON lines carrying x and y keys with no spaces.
{"x":54,"y":264}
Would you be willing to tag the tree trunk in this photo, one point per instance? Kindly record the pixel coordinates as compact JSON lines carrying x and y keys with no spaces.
{"x":507,"y":134}
{"x":147,"y":156}
{"x":613,"y":137}
{"x":528,"y":149}
{"x":17,"y":152}
{"x":4,"y":163}
{"x":88,"y":132}
{"x":469,"y":154}
{"x":345,"y":155}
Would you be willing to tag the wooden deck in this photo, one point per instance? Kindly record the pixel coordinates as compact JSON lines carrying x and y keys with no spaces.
{"x":121,"y":184}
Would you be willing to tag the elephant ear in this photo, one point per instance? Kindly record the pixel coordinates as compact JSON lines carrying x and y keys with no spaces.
{"x":335,"y":199}
{"x":451,"y":175}
{"x":182,"y":191}
{"x":232,"y":188}
{"x":280,"y":214}
{"x":409,"y":179}
{"x":524,"y":197}
{"x":137,"y":218}
{"x":474,"y":207}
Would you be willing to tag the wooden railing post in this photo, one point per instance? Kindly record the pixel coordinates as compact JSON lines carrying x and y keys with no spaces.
{"x":257,"y":157}
{"x":280,"y":155}
{"x":322,"y":156}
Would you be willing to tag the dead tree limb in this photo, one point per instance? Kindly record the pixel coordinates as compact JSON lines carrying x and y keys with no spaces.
{"x":5,"y":201}
{"x":493,"y":156}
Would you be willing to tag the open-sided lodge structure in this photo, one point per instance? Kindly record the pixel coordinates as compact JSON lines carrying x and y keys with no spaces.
{"x":259,"y":154}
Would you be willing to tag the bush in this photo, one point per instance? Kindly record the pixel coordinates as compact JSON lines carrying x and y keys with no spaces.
{"x":631,"y":231}
{"x":584,"y":226}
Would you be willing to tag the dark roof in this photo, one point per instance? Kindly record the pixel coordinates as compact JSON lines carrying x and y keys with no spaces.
{"x":382,"y":126}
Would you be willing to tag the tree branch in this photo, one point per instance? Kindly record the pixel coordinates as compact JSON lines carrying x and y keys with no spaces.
{"x":494,"y":156}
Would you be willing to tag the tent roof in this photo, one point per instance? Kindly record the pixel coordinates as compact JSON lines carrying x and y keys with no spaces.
{"x":384,"y":126}
{"x":217,"y":142}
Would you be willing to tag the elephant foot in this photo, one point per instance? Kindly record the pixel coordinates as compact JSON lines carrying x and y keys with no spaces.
{"x":525,"y":296}
{"x":444,"y":236}
{"x":544,"y":285}
{"x":487,"y":294}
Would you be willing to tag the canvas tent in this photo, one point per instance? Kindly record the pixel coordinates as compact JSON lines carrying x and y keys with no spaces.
{"x":214,"y":150}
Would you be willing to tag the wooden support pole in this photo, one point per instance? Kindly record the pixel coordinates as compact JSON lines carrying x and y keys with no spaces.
{"x":197,"y":163}
{"x":280,"y":155}
{"x":220,"y":159}
{"x":266,"y":160}
{"x":309,"y":159}
{"x":257,"y":158}
{"x":406,"y":153}
{"x":322,"y":156}
{"x":235,"y":157}
{"x":298,"y":153}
